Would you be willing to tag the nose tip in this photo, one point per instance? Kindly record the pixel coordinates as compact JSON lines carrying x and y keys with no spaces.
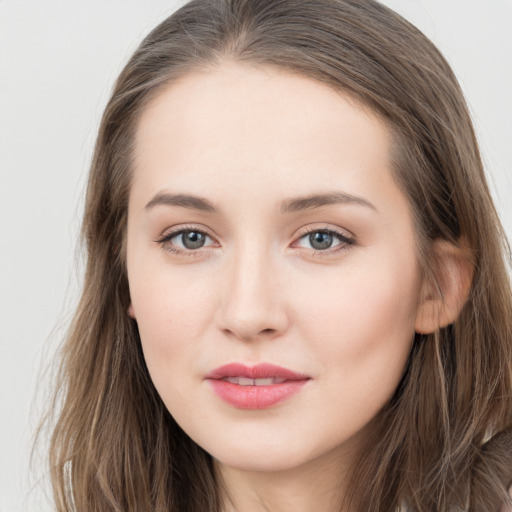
{"x":253,"y":303}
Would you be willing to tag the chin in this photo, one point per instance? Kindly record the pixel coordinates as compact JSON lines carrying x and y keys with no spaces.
{"x":260,"y":462}
{"x":262,"y":455}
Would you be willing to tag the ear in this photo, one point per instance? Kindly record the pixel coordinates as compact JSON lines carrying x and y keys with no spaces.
{"x":131,"y":311}
{"x":441,"y":301}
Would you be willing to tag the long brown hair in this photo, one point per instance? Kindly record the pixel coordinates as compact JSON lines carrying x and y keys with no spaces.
{"x":444,"y":441}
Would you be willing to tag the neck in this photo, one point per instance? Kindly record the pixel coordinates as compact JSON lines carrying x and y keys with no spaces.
{"x":315,"y":486}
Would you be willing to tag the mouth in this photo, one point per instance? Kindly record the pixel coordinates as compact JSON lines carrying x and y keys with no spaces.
{"x":255,"y":387}
{"x":244,"y":381}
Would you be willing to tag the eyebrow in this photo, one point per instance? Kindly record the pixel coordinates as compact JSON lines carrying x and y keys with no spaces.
{"x":294,"y":204}
{"x":183,"y":200}
{"x":313,"y":201}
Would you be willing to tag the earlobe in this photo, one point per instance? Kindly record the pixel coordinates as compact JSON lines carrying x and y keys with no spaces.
{"x":131,"y":311}
{"x":441,"y":301}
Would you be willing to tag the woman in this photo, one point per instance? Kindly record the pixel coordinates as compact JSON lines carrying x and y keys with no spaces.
{"x":296,"y":295}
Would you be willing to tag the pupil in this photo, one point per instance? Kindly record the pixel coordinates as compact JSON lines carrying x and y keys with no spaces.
{"x":192,"y":239}
{"x":320,"y":240}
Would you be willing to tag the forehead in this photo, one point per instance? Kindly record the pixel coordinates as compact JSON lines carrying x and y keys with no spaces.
{"x":258,"y":128}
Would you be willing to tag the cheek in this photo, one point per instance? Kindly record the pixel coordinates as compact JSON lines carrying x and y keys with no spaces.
{"x":174,"y":311}
{"x":169,"y":334}
{"x":363,"y":325}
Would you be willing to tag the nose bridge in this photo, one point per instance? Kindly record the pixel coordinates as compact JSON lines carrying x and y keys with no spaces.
{"x":253,"y":304}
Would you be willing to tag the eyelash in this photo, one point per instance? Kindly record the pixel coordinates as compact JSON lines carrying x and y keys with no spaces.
{"x":167,"y":237}
{"x":345,"y":242}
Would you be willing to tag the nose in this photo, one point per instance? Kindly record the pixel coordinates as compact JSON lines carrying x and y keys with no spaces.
{"x":252,"y":304}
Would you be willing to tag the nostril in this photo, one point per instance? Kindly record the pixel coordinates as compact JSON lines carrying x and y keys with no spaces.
{"x":251,"y":336}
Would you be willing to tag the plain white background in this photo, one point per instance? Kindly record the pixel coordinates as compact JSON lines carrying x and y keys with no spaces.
{"x":58,"y":61}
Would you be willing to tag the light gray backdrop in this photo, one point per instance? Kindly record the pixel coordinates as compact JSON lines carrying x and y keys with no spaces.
{"x":58,"y":60}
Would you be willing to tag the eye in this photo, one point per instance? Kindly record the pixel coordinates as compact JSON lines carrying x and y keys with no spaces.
{"x":325,"y":241}
{"x":191,"y":239}
{"x":184,"y":241}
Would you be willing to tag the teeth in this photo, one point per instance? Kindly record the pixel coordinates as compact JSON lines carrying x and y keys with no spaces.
{"x":244,"y":381}
{"x":264,"y":382}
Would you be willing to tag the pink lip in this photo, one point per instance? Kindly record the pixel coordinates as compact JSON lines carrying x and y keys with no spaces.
{"x":255,"y":397}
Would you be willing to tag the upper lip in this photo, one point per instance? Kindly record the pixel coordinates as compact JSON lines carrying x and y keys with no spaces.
{"x":259,"y":371}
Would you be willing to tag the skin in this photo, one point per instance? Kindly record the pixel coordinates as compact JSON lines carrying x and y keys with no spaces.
{"x":246,"y":139}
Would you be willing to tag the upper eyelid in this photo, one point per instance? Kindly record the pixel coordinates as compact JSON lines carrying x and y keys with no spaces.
{"x":340,"y":231}
{"x":171,"y":232}
{"x":181,"y":228}
{"x":345,"y":241}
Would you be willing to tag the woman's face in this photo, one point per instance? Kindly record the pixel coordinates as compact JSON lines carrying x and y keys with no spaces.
{"x":265,"y":228}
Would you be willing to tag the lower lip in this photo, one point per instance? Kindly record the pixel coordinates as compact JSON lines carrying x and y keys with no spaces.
{"x":255,"y":397}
